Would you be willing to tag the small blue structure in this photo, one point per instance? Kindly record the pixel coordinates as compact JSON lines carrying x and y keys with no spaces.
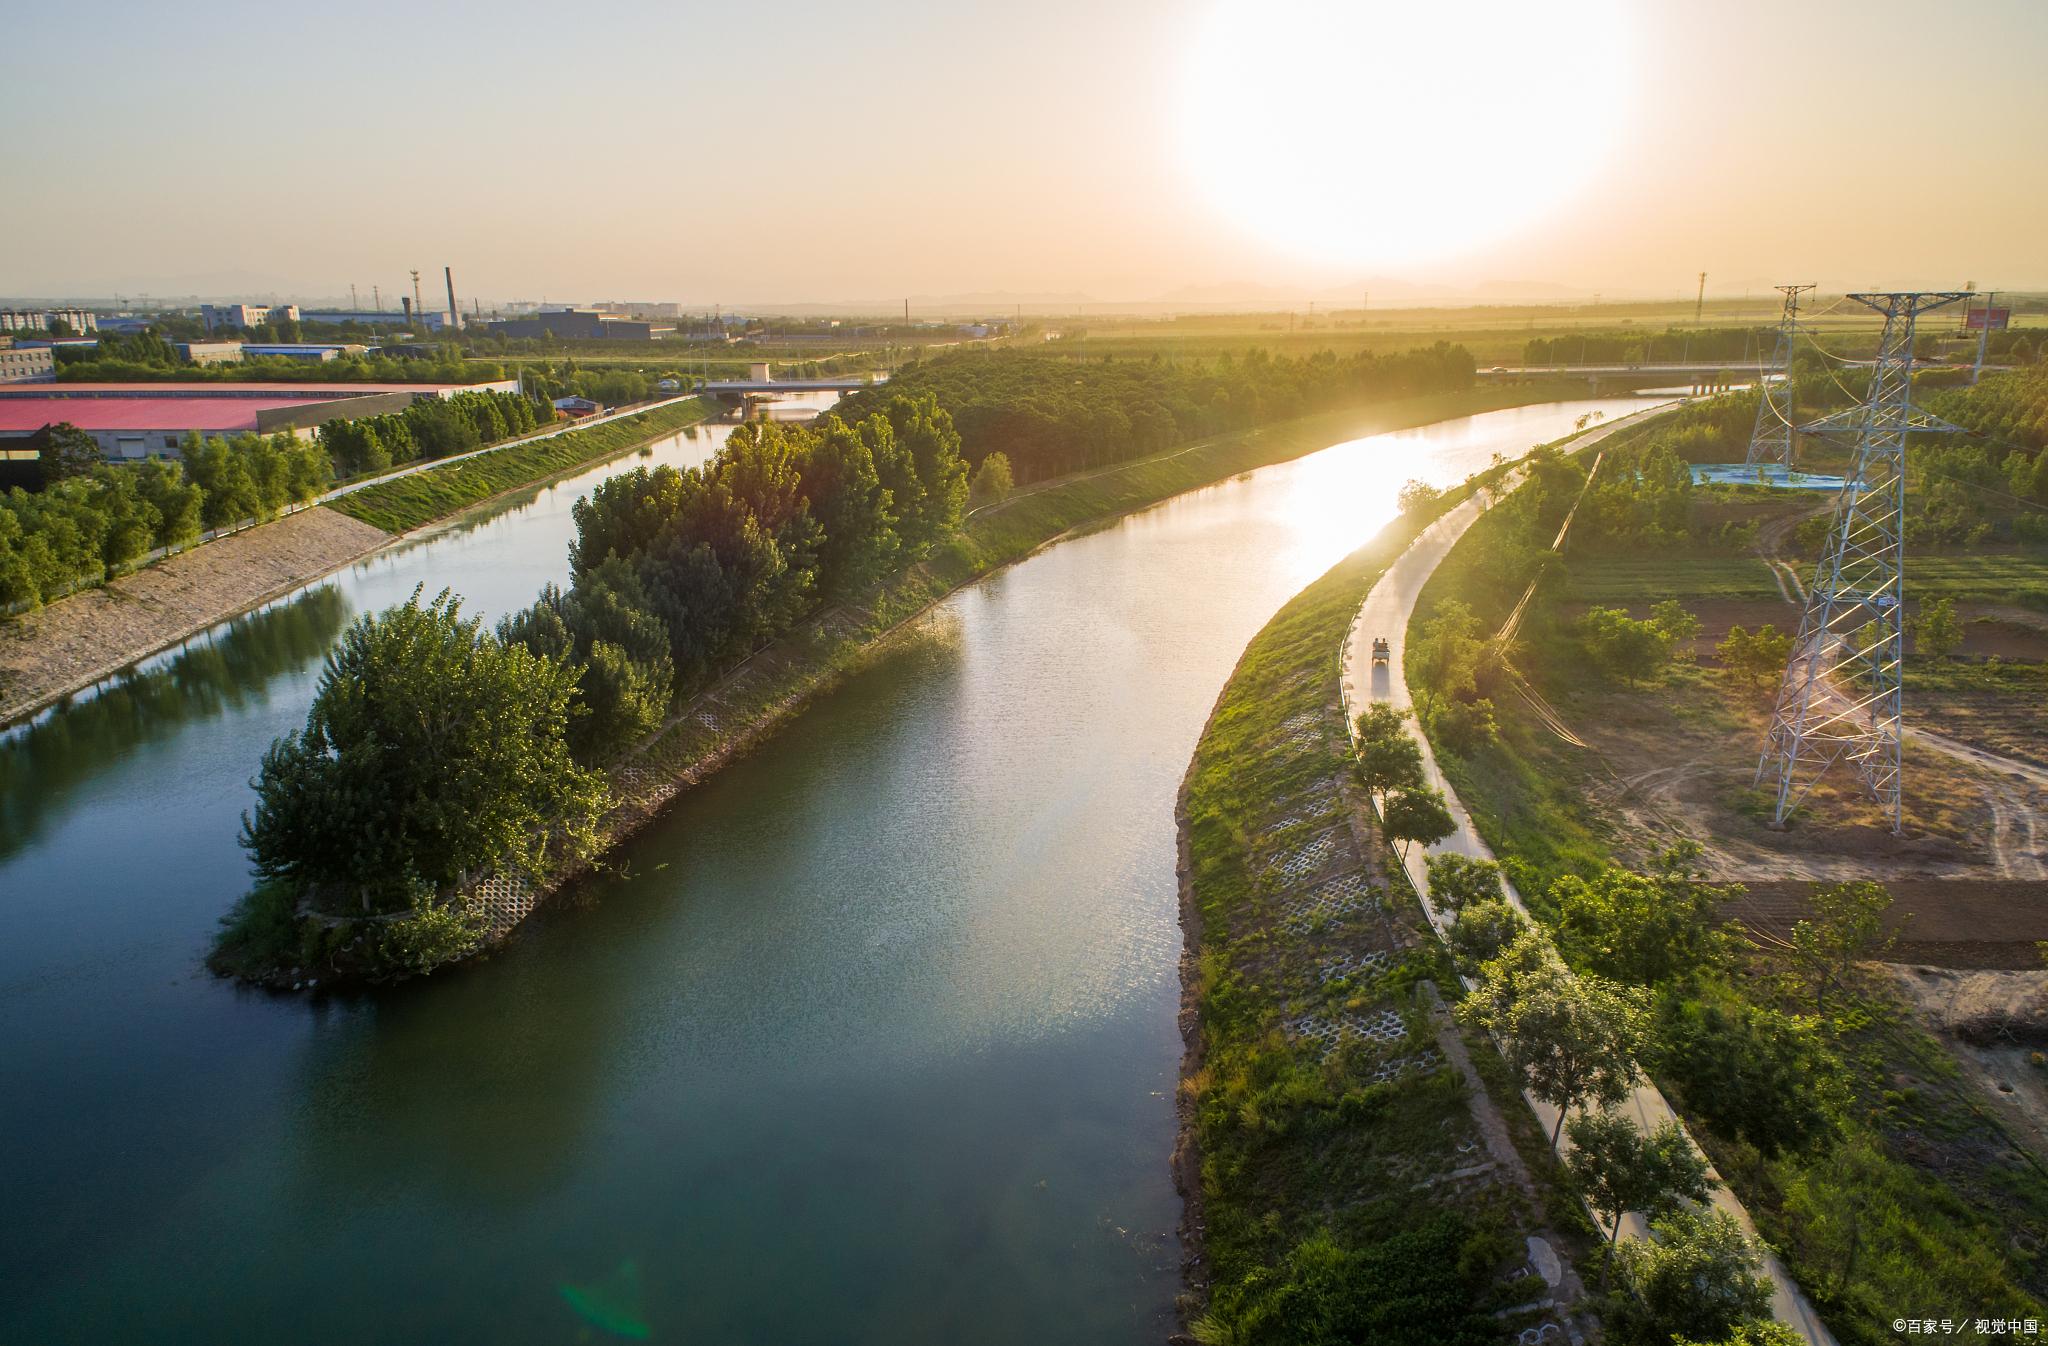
{"x":1773,"y":475}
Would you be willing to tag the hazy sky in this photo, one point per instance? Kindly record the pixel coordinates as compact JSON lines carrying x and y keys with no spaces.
{"x":637,"y":149}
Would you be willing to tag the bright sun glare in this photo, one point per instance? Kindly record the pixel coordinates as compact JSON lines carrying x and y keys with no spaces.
{"x":1370,"y":132}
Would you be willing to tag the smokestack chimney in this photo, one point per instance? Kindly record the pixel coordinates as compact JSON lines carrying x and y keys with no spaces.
{"x":454,"y":310}
{"x":407,"y":301}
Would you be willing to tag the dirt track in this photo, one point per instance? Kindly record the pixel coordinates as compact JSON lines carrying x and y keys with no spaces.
{"x":73,"y":643}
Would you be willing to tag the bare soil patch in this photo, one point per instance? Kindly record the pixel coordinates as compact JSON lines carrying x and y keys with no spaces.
{"x":73,"y":643}
{"x":1995,"y":1024}
{"x":1949,"y":923}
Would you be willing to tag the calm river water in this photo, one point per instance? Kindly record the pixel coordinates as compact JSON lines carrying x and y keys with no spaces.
{"x":870,"y":1039}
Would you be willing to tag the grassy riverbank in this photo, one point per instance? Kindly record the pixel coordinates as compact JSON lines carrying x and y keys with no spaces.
{"x":1904,"y":1185}
{"x":1344,"y":1156}
{"x":404,"y":504}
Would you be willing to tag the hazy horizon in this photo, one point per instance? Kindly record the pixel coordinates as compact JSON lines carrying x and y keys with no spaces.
{"x":1097,"y":154}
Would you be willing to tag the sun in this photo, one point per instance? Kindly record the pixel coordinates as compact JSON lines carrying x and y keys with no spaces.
{"x":1363,"y":132}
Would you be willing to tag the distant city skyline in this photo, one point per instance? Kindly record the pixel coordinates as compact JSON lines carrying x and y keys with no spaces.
{"x":968,"y":154}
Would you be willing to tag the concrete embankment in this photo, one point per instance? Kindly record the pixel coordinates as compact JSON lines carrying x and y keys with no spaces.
{"x":76,"y":641}
{"x":54,"y":651}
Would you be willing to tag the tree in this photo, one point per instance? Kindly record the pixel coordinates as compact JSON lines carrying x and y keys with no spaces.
{"x":1416,"y":497}
{"x":1457,"y":881}
{"x":1848,"y":928}
{"x":992,"y":481}
{"x":1569,"y":1039}
{"x":1411,"y":815}
{"x":69,"y":452}
{"x":1621,"y":1168}
{"x":432,"y":753}
{"x":1700,"y":1277}
{"x":1760,"y":1333}
{"x":1750,"y":1072}
{"x":1937,"y":631}
{"x":1680,"y":627}
{"x":1445,"y":657}
{"x":440,"y":429}
{"x":1755,"y":658}
{"x":925,"y":432}
{"x":1389,"y":758}
{"x":1643,"y":928}
{"x":1483,"y":929}
{"x":1619,"y":644}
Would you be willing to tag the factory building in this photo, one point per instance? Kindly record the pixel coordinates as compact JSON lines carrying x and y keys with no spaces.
{"x":27,"y":364}
{"x":313,"y":352}
{"x":432,"y":319}
{"x":132,"y":421}
{"x":236,"y":316}
{"x":579,"y":324}
{"x":209,"y":352}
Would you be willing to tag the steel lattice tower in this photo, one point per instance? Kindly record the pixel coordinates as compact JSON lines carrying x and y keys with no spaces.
{"x":1840,"y":698}
{"x":1770,"y":441}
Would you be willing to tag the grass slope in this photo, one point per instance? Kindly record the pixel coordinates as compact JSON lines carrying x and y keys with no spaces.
{"x":402,"y":505}
{"x":1295,"y":1145}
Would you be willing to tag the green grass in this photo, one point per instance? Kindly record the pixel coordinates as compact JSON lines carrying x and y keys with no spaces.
{"x":1290,"y":1143}
{"x":402,"y":505}
{"x":2006,"y":575}
{"x":1946,"y":1208}
{"x":1640,"y":580}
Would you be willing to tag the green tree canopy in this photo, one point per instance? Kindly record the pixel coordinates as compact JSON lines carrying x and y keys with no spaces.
{"x":432,"y":753}
{"x":1619,"y":1167}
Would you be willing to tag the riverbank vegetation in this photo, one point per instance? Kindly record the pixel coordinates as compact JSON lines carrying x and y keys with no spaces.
{"x":1848,"y":1132}
{"x":433,"y":427}
{"x":1330,"y":1145}
{"x":110,"y":517}
{"x":148,"y":358}
{"x":402,"y":505}
{"x":1049,"y":416}
{"x":760,"y":579}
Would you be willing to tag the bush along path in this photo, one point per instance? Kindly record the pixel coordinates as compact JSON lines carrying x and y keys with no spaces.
{"x":1344,"y":1155}
{"x":1453,"y":871}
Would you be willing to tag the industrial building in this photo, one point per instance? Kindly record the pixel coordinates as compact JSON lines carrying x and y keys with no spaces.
{"x":27,"y":364}
{"x":579,"y":324}
{"x":131,"y":421}
{"x":315,"y":352}
{"x":209,"y":352}
{"x":432,"y":319}
{"x":41,"y":321}
{"x":217,"y":316}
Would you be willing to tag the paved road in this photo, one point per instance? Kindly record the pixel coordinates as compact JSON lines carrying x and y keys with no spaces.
{"x":1385,"y":614}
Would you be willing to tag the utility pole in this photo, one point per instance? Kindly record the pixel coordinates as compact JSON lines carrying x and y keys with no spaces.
{"x":1983,"y":338}
{"x":1771,"y":438}
{"x":1841,"y":694}
{"x":1699,"y":302}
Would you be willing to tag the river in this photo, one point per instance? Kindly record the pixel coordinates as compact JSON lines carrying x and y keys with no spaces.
{"x":869,"y":1039}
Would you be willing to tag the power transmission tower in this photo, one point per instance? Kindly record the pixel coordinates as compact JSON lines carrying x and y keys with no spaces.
{"x":1770,"y":439}
{"x":1840,"y":697}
